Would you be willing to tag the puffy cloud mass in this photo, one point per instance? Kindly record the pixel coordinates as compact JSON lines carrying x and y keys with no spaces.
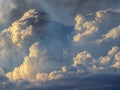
{"x":62,"y":45}
{"x":33,"y":63}
{"x":22,"y":29}
{"x":114,"y":33}
{"x":84,"y":28}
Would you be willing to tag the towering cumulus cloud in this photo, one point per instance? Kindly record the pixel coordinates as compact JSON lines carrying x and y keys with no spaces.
{"x":59,"y":45}
{"x":32,"y":64}
{"x":24,"y":28}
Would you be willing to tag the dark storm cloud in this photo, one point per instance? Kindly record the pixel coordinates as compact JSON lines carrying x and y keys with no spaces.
{"x":94,"y":82}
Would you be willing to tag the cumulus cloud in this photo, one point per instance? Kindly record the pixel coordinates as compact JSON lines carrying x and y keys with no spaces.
{"x":16,"y":39}
{"x":22,"y":29}
{"x":112,"y":34}
{"x":82,"y":58}
{"x":32,"y":64}
{"x":22,"y":34}
{"x":95,"y":24}
{"x":31,"y":69}
{"x":84,"y":62}
{"x":117,"y":56}
{"x":42,"y":50}
{"x":108,"y":59}
{"x":84,"y":28}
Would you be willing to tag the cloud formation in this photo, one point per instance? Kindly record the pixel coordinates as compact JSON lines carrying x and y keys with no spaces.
{"x":44,"y":48}
{"x":5,"y":9}
{"x":33,"y":63}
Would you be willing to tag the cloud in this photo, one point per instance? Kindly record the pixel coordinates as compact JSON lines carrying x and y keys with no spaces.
{"x":44,"y":49}
{"x":24,"y":32}
{"x":16,"y":39}
{"x":117,"y":56}
{"x":39,"y":54}
{"x":5,"y":9}
{"x":28,"y":69}
{"x":112,"y":34}
{"x":2,"y":73}
{"x":84,"y":62}
{"x":55,"y":9}
{"x":107,"y":60}
{"x":104,"y":82}
{"x":31,"y":69}
{"x":91,"y":25}
{"x":8,"y":52}
{"x":23,"y":28}
{"x":57,"y":12}
{"x":33,"y":66}
{"x":82,"y":58}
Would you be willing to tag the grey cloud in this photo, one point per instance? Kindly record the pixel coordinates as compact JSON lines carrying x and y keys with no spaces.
{"x":104,"y":82}
{"x":70,"y":8}
{"x":62,"y":11}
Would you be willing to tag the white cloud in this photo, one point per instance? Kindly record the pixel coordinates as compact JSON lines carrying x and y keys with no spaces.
{"x":84,"y":62}
{"x":64,"y":69}
{"x":94,"y":26}
{"x":84,"y":28}
{"x":113,"y":33}
{"x":33,"y":63}
{"x":117,"y":56}
{"x":55,"y":75}
{"x":22,"y":29}
{"x":79,"y":21}
{"x":108,"y":59}
{"x":42,"y":77}
{"x":83,"y":58}
{"x":116,"y":65}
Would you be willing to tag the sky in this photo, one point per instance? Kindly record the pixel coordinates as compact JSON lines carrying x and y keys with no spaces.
{"x":60,"y":45}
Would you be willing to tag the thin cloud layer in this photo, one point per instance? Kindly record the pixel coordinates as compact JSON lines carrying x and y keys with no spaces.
{"x":5,"y":9}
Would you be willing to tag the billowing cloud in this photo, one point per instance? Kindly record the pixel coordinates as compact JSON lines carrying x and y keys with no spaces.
{"x":112,"y":34}
{"x":84,"y":28}
{"x":33,"y":63}
{"x":52,"y":46}
{"x":23,"y":28}
{"x":14,"y":38}
{"x":82,"y":58}
{"x":90,"y":25}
